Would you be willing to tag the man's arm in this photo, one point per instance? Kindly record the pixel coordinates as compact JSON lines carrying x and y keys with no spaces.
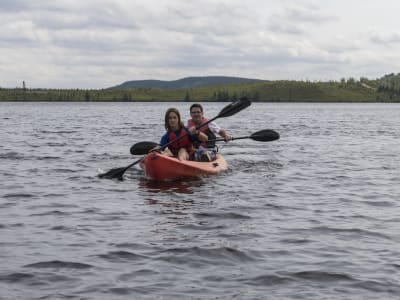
{"x":216,"y":129}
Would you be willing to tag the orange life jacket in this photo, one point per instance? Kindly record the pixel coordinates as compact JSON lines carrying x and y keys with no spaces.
{"x":181,"y":143}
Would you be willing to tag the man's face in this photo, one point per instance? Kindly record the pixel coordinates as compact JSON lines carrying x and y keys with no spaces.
{"x":196,"y":114}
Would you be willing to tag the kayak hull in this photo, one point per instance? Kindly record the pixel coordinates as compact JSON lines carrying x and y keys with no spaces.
{"x":160,"y":167}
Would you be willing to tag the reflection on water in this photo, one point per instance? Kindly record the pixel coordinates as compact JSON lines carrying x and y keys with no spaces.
{"x":181,"y":187}
{"x":173,"y":210}
{"x":170,"y":199}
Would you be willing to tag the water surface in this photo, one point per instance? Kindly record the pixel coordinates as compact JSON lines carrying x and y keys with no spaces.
{"x":314,"y":215}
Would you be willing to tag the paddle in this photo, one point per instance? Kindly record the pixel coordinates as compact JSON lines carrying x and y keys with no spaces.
{"x":265,"y":135}
{"x":142,"y":148}
{"x":227,"y":111}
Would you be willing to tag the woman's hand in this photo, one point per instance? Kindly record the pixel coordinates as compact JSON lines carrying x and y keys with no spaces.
{"x":156,"y":148}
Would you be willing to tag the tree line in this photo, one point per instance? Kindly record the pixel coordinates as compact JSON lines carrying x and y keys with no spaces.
{"x":386,"y":88}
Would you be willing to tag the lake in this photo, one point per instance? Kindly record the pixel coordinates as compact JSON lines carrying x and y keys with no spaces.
{"x":313,"y":215}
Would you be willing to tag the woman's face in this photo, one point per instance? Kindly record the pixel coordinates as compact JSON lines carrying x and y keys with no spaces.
{"x":173,"y":120}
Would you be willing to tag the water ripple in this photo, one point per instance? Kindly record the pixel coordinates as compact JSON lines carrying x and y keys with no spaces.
{"x":222,"y":215}
{"x":114,"y":256}
{"x":219,"y":256}
{"x":321,"y":276}
{"x":12,"y":156}
{"x":313,"y":215}
{"x":16,"y":277}
{"x":268,"y":280}
{"x":18,"y":195}
{"x":59,"y":264}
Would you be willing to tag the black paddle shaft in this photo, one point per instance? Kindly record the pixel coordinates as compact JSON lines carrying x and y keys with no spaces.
{"x":265,"y":135}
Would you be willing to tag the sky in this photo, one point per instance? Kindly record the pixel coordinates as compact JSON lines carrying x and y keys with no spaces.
{"x":94,"y":44}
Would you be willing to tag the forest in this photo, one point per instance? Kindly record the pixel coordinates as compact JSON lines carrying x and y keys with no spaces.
{"x":384,"y":89}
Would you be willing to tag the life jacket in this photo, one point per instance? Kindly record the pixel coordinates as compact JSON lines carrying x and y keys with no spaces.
{"x":181,"y":143}
{"x":206,"y":130}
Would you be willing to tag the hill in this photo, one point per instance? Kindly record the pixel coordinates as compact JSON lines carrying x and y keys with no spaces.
{"x":184,"y":83}
{"x":384,"y":89}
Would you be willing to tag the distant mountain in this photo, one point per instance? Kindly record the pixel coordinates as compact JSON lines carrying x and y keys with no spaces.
{"x":184,"y":83}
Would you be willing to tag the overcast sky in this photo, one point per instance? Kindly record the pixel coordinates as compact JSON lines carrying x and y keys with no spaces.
{"x":102,"y":43}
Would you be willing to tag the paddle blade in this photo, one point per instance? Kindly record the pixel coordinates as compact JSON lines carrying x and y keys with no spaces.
{"x":114,"y":173}
{"x":142,"y":148}
{"x":234,"y":107}
{"x":266,"y":135}
{"x":118,"y":172}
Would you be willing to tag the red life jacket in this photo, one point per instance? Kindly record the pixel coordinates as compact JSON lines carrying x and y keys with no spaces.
{"x":202,"y":129}
{"x":206,"y":130}
{"x":181,"y":143}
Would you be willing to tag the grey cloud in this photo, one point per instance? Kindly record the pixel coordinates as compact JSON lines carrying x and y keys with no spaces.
{"x":296,"y":20}
{"x":386,"y":39}
{"x":32,"y":5}
{"x":209,"y":19}
{"x":15,"y":5}
{"x":310,"y":15}
{"x":279,"y":27}
{"x":57,"y":21}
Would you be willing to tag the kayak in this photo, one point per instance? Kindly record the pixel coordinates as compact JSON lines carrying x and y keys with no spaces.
{"x":160,"y":167}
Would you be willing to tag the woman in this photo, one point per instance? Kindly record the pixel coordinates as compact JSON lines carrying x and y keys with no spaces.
{"x":181,"y":137}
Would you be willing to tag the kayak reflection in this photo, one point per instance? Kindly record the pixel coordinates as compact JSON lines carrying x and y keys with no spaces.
{"x":188,"y":186}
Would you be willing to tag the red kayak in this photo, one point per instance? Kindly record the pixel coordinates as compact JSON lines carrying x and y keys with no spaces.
{"x":161,"y":167}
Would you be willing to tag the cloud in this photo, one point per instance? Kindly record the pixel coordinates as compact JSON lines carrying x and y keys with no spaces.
{"x":296,"y":20}
{"x":99,"y":43}
{"x":386,"y":39}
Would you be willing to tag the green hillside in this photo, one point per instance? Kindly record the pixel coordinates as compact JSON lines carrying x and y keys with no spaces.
{"x":385,"y":89}
{"x":184,"y":83}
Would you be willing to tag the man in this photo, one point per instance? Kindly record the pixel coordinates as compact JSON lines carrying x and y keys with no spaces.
{"x":205,"y":151}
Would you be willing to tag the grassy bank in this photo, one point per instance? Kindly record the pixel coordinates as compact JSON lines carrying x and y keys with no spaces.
{"x":385,"y":89}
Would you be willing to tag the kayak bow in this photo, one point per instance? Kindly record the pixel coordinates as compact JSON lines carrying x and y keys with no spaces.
{"x":160,"y":167}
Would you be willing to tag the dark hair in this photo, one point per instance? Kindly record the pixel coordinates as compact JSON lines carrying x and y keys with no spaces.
{"x":170,"y":110}
{"x":196,"y":105}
